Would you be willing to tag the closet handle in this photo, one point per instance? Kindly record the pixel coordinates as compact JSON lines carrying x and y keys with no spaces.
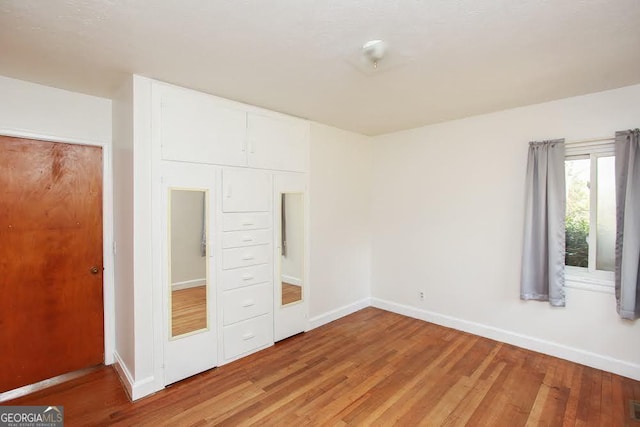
{"x":247,"y":257}
{"x":248,"y":336}
{"x":247,"y":239}
{"x":247,"y":277}
{"x":245,"y":223}
{"x":248,"y":303}
{"x":228,"y":191}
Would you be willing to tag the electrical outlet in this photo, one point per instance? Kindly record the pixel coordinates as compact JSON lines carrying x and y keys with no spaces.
{"x":421,"y":295}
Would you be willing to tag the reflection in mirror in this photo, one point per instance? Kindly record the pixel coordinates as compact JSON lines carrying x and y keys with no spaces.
{"x":188,"y":261}
{"x":292,"y":244}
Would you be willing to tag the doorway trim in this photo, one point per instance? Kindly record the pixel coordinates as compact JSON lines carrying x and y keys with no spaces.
{"x":107,"y":228}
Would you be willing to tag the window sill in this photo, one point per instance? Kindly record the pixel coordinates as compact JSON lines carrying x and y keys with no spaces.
{"x":589,"y":284}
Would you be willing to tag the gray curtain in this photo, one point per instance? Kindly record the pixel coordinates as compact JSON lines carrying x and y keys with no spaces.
{"x":283,"y":225}
{"x":627,"y":266}
{"x":203,"y":233}
{"x":544,"y":238}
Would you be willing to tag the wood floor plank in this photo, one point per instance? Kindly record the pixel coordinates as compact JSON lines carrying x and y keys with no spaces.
{"x":460,"y":391}
{"x":584,"y":404}
{"x":464,"y":410}
{"x":494,"y":400}
{"x":372,"y":368}
{"x":397,"y":404}
{"x":595,"y":399}
{"x":556,"y":404}
{"x":550,"y":402}
{"x":617,"y":401}
{"x":606,"y":394}
{"x":575,"y":381}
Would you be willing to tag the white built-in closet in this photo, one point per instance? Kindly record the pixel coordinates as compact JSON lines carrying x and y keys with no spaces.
{"x":228,"y":183}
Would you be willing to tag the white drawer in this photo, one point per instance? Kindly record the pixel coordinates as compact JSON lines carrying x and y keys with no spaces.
{"x":243,"y":337}
{"x":236,"y":239}
{"x":244,"y":257}
{"x":239,"y":277}
{"x":245,"y":303}
{"x":246,"y":221}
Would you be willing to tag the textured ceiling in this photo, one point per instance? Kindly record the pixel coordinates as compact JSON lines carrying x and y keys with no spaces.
{"x":447,"y":58}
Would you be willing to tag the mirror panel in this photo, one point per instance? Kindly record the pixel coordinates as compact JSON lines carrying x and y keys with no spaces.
{"x":188,"y":272}
{"x":292,"y":247}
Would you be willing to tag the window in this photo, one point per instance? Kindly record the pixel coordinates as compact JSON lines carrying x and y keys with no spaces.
{"x":591,"y":213}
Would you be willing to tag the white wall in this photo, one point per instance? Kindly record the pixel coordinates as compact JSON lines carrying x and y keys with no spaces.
{"x":448,"y":207}
{"x":123,"y":226}
{"x":138,"y":343}
{"x":42,"y":111}
{"x":146,"y":248}
{"x":340,"y":216}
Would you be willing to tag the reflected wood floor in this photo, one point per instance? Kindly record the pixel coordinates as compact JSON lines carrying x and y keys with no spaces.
{"x":188,"y":310}
{"x":370,"y":368}
{"x":291,"y":293}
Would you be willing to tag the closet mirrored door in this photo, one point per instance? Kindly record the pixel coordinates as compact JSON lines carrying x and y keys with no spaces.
{"x":290,"y":281}
{"x":188,"y":288}
{"x":188,"y":275}
{"x":291,"y":248}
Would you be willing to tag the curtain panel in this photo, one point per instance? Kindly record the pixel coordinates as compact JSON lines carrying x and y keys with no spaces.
{"x":627,"y":260}
{"x":283,"y":224}
{"x":544,"y":235}
{"x":203,"y":233}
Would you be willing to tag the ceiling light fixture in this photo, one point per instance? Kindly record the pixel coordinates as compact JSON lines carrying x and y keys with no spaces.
{"x":374,"y":51}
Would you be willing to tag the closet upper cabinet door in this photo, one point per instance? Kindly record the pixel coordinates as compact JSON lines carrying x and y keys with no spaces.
{"x":195,"y":127}
{"x":246,"y":190}
{"x":279,"y":143}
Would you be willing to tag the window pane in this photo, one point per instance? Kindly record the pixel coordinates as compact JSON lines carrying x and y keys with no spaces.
{"x":606,"y":212}
{"x":577,"y":216}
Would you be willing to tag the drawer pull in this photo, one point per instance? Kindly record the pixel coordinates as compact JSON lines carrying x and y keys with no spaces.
{"x":248,"y":336}
{"x":247,"y":223}
{"x":248,"y":277}
{"x":247,"y":257}
{"x":247,"y":239}
{"x":248,"y":303}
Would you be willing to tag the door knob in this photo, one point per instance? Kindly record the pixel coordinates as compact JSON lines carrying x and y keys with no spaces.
{"x":94,"y":270}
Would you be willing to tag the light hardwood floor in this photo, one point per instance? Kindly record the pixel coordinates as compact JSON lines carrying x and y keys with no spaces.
{"x":370,"y":368}
{"x":188,"y":310}
{"x":291,"y":293}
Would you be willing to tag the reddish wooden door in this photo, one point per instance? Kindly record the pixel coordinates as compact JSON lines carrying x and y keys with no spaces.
{"x":51,"y":306}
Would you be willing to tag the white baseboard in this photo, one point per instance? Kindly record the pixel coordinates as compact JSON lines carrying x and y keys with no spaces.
{"x":291,"y":280}
{"x":594,"y":360}
{"x":339,"y":312}
{"x":135,"y":389}
{"x":188,"y":284}
{"x":123,"y":372}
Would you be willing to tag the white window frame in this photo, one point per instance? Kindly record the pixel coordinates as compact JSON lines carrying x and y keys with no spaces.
{"x":580,"y":277}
